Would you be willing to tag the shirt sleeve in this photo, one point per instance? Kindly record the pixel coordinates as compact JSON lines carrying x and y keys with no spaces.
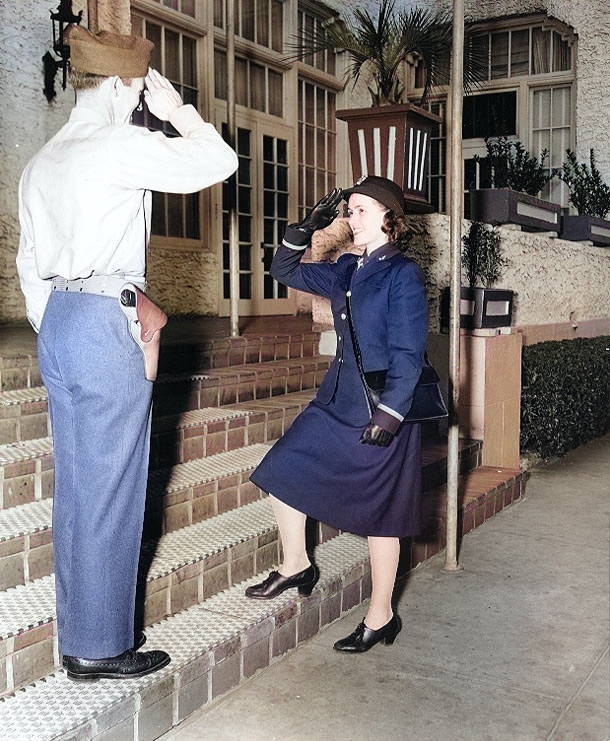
{"x":35,"y":289}
{"x":196,"y":159}
{"x":317,"y":278}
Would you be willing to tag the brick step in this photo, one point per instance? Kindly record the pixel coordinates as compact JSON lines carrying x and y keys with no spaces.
{"x":188,"y":356}
{"x":237,"y":383}
{"x":179,"y":438}
{"x":215,"y":645}
{"x":24,"y":412}
{"x":177,"y":497}
{"x":26,"y":467}
{"x":19,"y":370}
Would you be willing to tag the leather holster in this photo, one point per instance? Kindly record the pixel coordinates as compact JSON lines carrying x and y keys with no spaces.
{"x":146,"y":320}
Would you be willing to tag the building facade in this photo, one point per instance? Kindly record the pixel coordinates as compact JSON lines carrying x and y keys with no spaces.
{"x":545,"y":85}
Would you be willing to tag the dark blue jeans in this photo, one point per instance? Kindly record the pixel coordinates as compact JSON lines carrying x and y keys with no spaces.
{"x":100,"y":404}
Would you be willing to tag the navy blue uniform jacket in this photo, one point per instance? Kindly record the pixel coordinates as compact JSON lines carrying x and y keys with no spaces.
{"x":389,"y":312}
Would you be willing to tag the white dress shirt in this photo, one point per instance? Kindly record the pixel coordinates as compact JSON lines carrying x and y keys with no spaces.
{"x":84,"y":198}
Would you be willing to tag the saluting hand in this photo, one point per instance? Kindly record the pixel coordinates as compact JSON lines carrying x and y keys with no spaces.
{"x":323,"y":213}
{"x":160,"y":95}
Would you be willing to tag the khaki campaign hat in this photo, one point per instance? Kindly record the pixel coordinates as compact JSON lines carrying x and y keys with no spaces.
{"x":108,"y":54}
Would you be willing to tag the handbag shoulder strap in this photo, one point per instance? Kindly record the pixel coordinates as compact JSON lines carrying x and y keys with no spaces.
{"x":357,"y":353}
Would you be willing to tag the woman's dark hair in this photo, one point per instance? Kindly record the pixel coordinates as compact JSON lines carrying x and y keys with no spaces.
{"x":397,"y":230}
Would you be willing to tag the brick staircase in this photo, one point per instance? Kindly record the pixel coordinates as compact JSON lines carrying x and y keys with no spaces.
{"x":219,"y":405}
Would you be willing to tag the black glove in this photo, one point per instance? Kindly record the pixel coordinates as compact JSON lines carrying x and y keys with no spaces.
{"x":375,"y":435}
{"x":322,"y":214}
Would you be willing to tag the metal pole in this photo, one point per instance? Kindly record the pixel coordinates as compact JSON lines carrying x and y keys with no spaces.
{"x":456,"y":209}
{"x":232,"y":129}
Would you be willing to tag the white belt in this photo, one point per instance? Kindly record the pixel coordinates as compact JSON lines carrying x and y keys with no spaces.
{"x":102,"y":285}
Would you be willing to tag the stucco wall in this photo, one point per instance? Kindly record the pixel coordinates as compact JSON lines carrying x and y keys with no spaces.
{"x":183,"y":282}
{"x":27,"y":121}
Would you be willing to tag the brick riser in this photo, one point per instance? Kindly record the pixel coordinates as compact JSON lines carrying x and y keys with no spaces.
{"x":22,"y":371}
{"x":482,"y":493}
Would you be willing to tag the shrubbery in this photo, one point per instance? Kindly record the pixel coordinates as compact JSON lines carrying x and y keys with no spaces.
{"x":565,"y":397}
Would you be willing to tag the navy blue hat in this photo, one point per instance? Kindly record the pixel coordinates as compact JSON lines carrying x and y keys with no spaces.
{"x":387,"y":192}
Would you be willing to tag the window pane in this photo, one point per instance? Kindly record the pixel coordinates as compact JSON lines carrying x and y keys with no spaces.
{"x":562,"y":54}
{"x":153,"y":33}
{"x":219,"y":13}
{"x":247,"y":19}
{"x":478,"y":48}
{"x":541,"y":51}
{"x":172,"y":56}
{"x":220,"y":75}
{"x":191,"y":205}
{"x":277,"y":25}
{"x":562,"y":112}
{"x":276,"y":94}
{"x":188,"y":61}
{"x":499,"y":55}
{"x":174,"y":215}
{"x":241,"y":82}
{"x":188,"y":7}
{"x":542,"y":109}
{"x":262,"y":23}
{"x":492,"y":114}
{"x":519,"y":53}
{"x":257,"y":87}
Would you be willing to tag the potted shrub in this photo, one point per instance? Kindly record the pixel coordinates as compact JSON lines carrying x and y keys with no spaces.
{"x":481,"y":305}
{"x":590,"y":196}
{"x":392,"y":138}
{"x":517,"y":178}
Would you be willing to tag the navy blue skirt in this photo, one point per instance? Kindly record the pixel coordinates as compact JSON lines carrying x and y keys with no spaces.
{"x":320,"y":467}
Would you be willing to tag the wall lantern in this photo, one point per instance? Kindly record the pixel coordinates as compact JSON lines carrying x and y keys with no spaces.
{"x":60,"y":19}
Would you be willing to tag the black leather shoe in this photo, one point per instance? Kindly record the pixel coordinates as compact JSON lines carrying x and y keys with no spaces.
{"x":140,"y":641}
{"x":364,"y":638}
{"x":275,"y":584}
{"x":124,"y":666}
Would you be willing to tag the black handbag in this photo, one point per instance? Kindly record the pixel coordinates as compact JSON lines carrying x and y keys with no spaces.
{"x":427,"y":404}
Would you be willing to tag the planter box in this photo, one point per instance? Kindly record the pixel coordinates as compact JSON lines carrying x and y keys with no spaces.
{"x":507,"y":206}
{"x":393,"y":142}
{"x":480,"y":308}
{"x":586,"y":228}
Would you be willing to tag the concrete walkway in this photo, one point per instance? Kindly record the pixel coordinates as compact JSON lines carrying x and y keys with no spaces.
{"x":514,"y":647}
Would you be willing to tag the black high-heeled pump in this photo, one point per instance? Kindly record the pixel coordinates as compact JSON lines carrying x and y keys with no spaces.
{"x":275,"y":584}
{"x":363,"y":638}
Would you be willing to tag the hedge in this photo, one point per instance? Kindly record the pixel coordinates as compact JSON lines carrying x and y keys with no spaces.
{"x":565,"y":394}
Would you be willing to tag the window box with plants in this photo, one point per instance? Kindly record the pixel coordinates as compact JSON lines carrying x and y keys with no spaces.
{"x":590,"y":196}
{"x":517,"y":179}
{"x":392,"y":138}
{"x":481,"y":305}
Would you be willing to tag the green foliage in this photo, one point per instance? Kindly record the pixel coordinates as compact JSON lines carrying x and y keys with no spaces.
{"x":589,"y":194}
{"x":512,"y":166}
{"x":565,"y":396}
{"x":378,"y":47}
{"x":482,"y":255}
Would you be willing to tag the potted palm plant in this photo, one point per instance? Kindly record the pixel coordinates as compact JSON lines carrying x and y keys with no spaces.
{"x":517,"y":178}
{"x":481,"y":305}
{"x":590,"y":196}
{"x":392,"y":138}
